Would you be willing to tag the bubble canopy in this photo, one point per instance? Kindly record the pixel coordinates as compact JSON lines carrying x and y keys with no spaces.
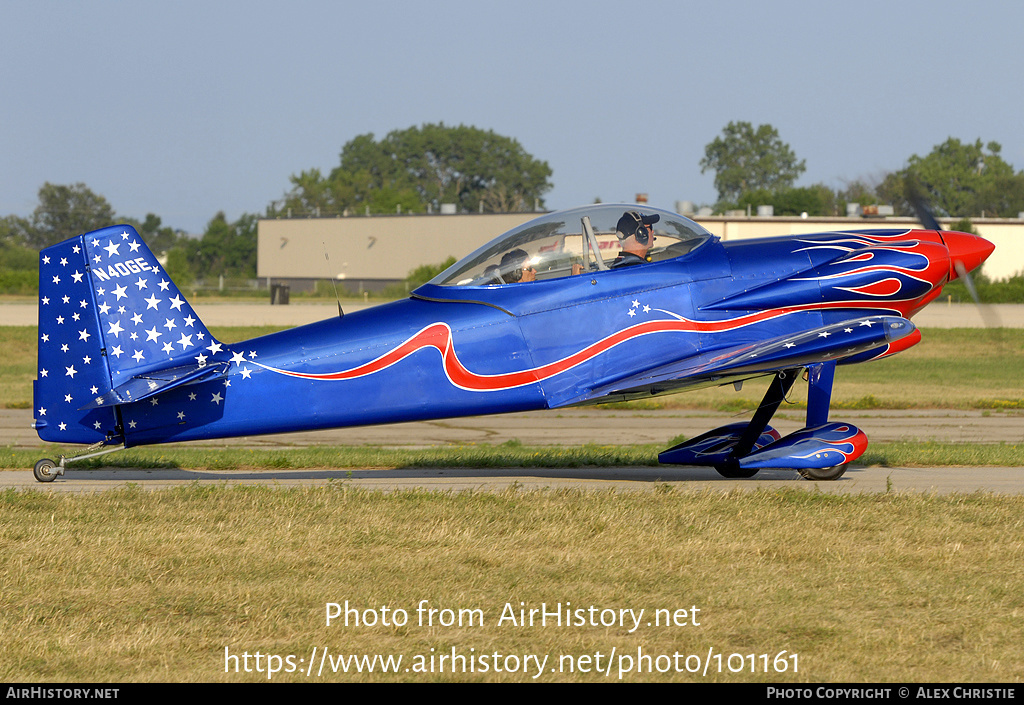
{"x":566,"y":243}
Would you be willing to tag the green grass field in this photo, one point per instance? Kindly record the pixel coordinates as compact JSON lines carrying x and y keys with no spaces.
{"x":789,"y":586}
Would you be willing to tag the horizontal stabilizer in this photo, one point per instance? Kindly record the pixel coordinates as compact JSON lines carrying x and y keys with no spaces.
{"x":157,"y":382}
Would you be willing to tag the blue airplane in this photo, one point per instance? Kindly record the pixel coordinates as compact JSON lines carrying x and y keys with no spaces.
{"x":595,"y":304}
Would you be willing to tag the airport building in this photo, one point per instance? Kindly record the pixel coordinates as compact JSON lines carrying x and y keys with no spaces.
{"x":368,"y":253}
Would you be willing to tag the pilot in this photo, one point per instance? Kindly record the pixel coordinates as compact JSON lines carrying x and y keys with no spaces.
{"x":636,"y":237}
{"x":516,"y":268}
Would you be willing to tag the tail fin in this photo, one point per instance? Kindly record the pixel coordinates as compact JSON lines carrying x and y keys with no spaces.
{"x":113,"y":329}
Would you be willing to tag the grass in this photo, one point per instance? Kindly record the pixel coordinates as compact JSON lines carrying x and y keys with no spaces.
{"x":152,"y":586}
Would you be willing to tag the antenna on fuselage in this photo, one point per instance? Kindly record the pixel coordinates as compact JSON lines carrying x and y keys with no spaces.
{"x":341,"y":314}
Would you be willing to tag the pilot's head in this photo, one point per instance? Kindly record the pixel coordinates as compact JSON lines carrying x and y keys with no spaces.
{"x":638,"y":226}
{"x":515,"y":268}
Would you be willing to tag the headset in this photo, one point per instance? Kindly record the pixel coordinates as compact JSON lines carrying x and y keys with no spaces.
{"x":641,"y":233}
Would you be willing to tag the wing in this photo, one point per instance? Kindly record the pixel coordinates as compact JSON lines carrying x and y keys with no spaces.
{"x":837,"y":341}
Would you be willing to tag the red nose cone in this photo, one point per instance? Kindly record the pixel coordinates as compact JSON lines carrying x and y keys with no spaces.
{"x":971,"y":250}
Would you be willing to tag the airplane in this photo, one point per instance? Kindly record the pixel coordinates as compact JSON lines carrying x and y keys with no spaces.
{"x":547,"y":315}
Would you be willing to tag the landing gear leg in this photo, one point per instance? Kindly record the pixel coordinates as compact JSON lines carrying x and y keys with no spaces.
{"x":775,"y":395}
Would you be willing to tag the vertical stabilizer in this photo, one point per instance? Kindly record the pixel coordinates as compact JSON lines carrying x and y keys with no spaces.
{"x":109,"y":317}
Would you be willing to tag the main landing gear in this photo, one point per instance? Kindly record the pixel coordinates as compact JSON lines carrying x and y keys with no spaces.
{"x":819,"y":451}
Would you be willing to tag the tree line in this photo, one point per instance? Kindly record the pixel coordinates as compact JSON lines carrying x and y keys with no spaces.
{"x":419,"y":169}
{"x":753,"y":166}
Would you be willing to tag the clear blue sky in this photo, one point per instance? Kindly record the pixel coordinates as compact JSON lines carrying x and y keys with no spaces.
{"x":187,"y":108}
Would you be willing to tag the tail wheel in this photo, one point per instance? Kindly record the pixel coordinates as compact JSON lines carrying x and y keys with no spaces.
{"x":45,"y":470}
{"x":823,"y":474}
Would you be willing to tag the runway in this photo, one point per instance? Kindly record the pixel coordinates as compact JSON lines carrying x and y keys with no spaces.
{"x":568,"y":427}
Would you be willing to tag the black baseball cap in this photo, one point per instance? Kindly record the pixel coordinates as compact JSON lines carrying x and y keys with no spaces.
{"x":632,"y":221}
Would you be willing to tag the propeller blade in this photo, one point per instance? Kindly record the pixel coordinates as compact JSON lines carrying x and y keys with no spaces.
{"x":915,"y":195}
{"x":988,"y":314}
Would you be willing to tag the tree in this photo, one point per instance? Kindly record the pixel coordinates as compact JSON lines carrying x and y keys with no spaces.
{"x":420,"y":168}
{"x":745,"y":159}
{"x":66,"y":211}
{"x":960,"y":180}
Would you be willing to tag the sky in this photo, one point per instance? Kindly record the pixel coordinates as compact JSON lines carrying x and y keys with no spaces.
{"x":185,"y":108}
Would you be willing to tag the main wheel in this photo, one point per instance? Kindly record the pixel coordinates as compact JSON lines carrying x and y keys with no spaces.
{"x":733,"y":471}
{"x":824,"y":474}
{"x":45,"y":470}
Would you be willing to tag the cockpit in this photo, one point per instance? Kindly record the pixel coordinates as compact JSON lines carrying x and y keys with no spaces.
{"x":568,"y":243}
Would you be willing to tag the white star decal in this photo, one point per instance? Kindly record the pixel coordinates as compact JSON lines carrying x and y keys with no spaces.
{"x":70,"y":372}
{"x":42,"y":411}
{"x":185,"y":342}
{"x":117,"y":351}
{"x":632,"y":312}
{"x":246,"y":373}
{"x":866,"y":323}
{"x":62,"y":426}
{"x":181,"y":415}
{"x":115,"y":329}
{"x":824,"y":334}
{"x":238,"y":358}
{"x":139,"y":357}
{"x":84,"y":335}
{"x":134,"y":247}
{"x":120,"y":292}
{"x":215,"y":348}
{"x":104,"y":308}
{"x":163,"y":284}
{"x":189,"y":321}
{"x":168,"y":347}
{"x":151,"y":302}
{"x":176,"y":303}
{"x":141,"y":283}
{"x":170,"y":324}
{"x":252,"y":354}
{"x":217,"y":398}
{"x":112,"y":248}
{"x":77,"y":276}
{"x":201,"y":359}
{"x":136,"y":318}
{"x":152,"y":334}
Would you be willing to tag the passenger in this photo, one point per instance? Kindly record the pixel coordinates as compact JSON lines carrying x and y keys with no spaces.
{"x":636,"y":237}
{"x":492,"y":276}
{"x":516,"y":268}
